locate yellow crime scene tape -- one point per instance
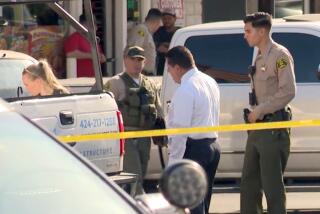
(179, 131)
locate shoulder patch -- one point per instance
(141, 33)
(282, 63)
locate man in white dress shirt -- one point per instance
(196, 103)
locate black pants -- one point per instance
(206, 153)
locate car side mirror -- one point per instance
(184, 184)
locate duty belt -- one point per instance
(280, 115)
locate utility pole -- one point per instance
(266, 6)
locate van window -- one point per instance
(224, 57)
(305, 50)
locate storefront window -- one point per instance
(36, 30)
(288, 7)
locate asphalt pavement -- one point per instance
(303, 197)
(300, 200)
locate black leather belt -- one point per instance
(201, 141)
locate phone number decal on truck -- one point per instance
(97, 122)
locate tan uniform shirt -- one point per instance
(140, 36)
(117, 86)
(274, 80)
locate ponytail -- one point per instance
(44, 71)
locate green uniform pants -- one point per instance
(266, 156)
(136, 157)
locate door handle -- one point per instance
(66, 117)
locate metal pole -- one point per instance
(64, 14)
(94, 46)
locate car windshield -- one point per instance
(39, 176)
(11, 70)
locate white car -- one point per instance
(220, 50)
(41, 175)
(92, 112)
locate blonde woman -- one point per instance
(40, 80)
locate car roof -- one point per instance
(306, 20)
(7, 54)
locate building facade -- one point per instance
(126, 13)
(114, 17)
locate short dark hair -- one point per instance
(181, 56)
(259, 19)
(153, 13)
(82, 18)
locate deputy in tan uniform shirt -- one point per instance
(138, 100)
(267, 151)
(141, 35)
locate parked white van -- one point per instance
(221, 51)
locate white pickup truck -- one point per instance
(220, 50)
(72, 114)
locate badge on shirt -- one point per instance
(141, 33)
(281, 63)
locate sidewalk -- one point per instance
(297, 202)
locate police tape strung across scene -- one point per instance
(221, 128)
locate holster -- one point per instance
(246, 112)
(284, 114)
(160, 140)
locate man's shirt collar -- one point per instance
(188, 74)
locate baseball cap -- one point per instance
(169, 11)
(153, 13)
(135, 52)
